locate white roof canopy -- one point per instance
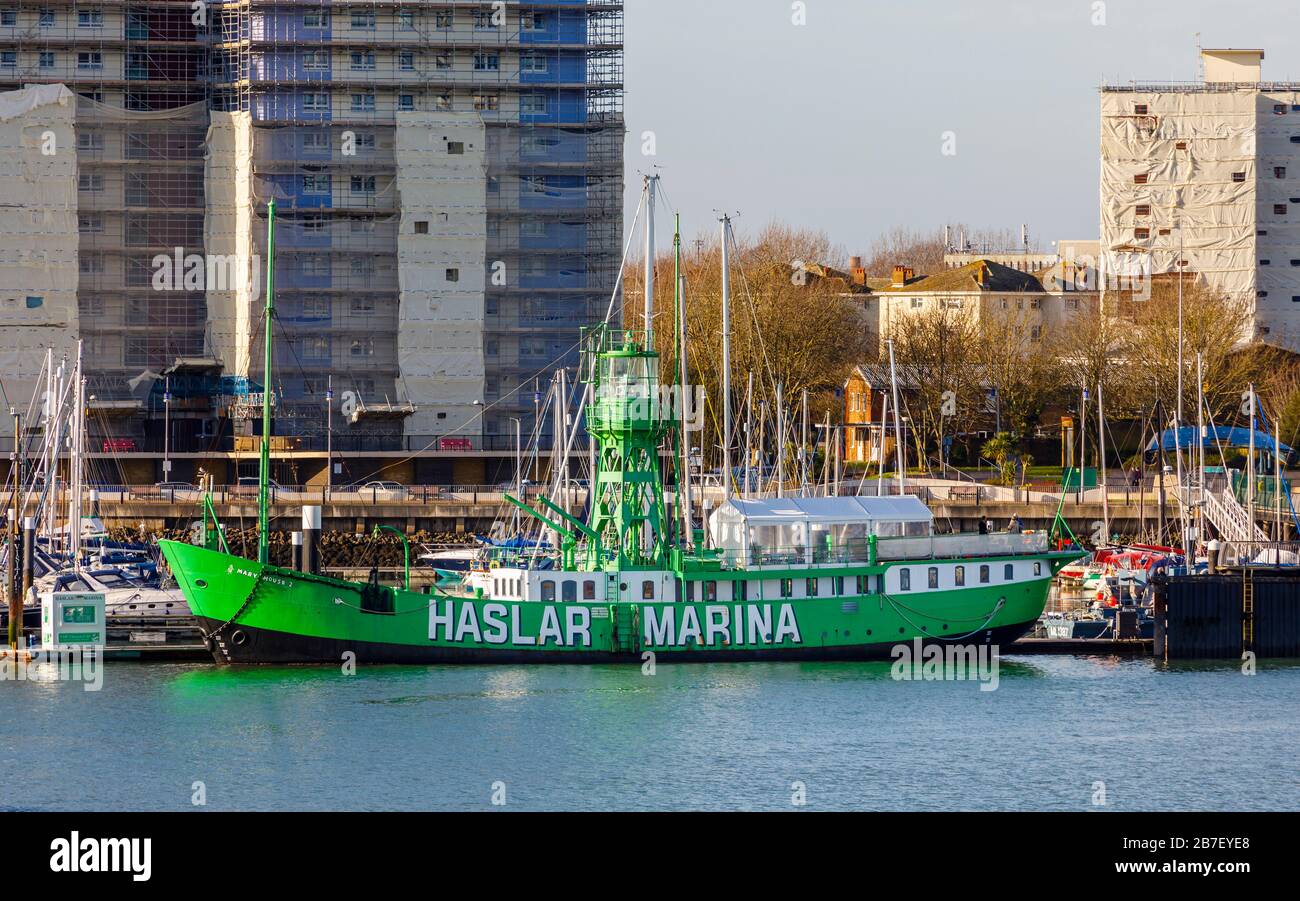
(775, 511)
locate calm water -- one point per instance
(730, 737)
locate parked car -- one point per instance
(248, 485)
(176, 489)
(385, 491)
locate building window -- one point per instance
(444, 20)
(406, 20)
(422, 227)
(405, 102)
(9, 59)
(362, 347)
(90, 181)
(90, 223)
(1280, 109)
(363, 184)
(1181, 145)
(532, 21)
(316, 184)
(1279, 209)
(1036, 333)
(361, 306)
(90, 141)
(363, 60)
(532, 104)
(46, 59)
(486, 102)
(315, 60)
(1140, 179)
(92, 60)
(406, 61)
(363, 19)
(363, 103)
(90, 18)
(1279, 171)
(453, 275)
(1141, 234)
(1239, 177)
(485, 19)
(316, 347)
(8, 17)
(442, 60)
(533, 62)
(316, 20)
(1143, 209)
(487, 62)
(1140, 109)
(315, 103)
(45, 18)
(456, 148)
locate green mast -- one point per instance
(264, 472)
(626, 418)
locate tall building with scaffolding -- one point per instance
(448, 177)
(1201, 177)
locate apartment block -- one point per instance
(1204, 178)
(448, 179)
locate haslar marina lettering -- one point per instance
(570, 626)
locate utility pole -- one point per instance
(167, 428)
(11, 558)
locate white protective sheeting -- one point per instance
(38, 233)
(442, 269)
(228, 240)
(1202, 192)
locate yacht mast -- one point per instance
(651, 184)
(898, 424)
(726, 359)
(264, 469)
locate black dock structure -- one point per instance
(1241, 609)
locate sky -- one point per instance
(839, 124)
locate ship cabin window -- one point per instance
(589, 590)
(1038, 568)
(862, 583)
(787, 588)
(710, 591)
(569, 591)
(690, 592)
(1009, 572)
(959, 576)
(880, 584)
(904, 579)
(647, 590)
(934, 577)
(548, 590)
(839, 585)
(984, 575)
(740, 590)
(810, 589)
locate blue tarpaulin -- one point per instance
(1187, 436)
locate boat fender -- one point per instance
(238, 637)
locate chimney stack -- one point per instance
(902, 275)
(857, 272)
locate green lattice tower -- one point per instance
(628, 420)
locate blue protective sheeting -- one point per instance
(1187, 436)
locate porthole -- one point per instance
(199, 583)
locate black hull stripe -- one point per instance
(249, 646)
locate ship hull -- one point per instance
(260, 647)
(266, 615)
